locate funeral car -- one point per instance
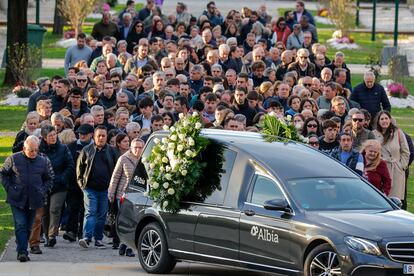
(281, 207)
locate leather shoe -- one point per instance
(122, 249)
(69, 236)
(22, 257)
(129, 253)
(35, 250)
(50, 242)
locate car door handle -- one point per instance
(249, 213)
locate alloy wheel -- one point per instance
(151, 247)
(325, 264)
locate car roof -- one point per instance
(286, 160)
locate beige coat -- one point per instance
(123, 173)
(396, 153)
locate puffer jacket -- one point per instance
(122, 175)
(62, 163)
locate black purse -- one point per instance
(109, 226)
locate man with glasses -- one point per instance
(319, 65)
(180, 67)
(302, 66)
(116, 82)
(81, 82)
(108, 97)
(307, 41)
(26, 177)
(359, 133)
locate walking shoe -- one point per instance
(42, 239)
(69, 236)
(115, 245)
(122, 249)
(129, 253)
(35, 250)
(50, 242)
(22, 257)
(84, 243)
(99, 244)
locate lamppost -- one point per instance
(397, 4)
(37, 12)
(374, 15)
(357, 14)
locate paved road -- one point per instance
(70, 259)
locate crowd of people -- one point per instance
(85, 131)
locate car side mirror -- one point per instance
(279, 204)
(396, 201)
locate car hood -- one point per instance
(374, 225)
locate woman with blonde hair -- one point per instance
(30, 125)
(67, 136)
(394, 151)
(376, 170)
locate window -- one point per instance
(265, 189)
(139, 179)
(217, 197)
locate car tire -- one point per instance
(322, 259)
(153, 250)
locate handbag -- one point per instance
(109, 226)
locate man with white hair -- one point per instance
(224, 60)
(26, 177)
(370, 95)
(125, 27)
(302, 66)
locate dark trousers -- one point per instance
(51, 216)
(76, 210)
(23, 220)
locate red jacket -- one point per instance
(380, 177)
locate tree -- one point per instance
(342, 14)
(16, 34)
(58, 20)
(75, 11)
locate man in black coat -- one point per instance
(241, 106)
(26, 177)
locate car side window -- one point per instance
(217, 197)
(140, 173)
(265, 189)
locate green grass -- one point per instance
(6, 219)
(407, 81)
(281, 12)
(15, 116)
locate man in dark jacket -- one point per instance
(241, 106)
(26, 177)
(347, 155)
(371, 96)
(94, 168)
(63, 167)
(74, 197)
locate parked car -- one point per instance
(282, 207)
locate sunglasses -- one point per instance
(357, 120)
(312, 125)
(82, 80)
(307, 84)
(115, 81)
(313, 143)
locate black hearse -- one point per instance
(281, 207)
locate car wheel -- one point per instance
(153, 250)
(322, 260)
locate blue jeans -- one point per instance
(96, 207)
(23, 221)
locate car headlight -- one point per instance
(362, 245)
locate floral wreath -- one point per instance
(174, 166)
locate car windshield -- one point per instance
(336, 194)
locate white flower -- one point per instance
(165, 160)
(166, 185)
(184, 172)
(185, 123)
(198, 125)
(168, 176)
(171, 191)
(156, 141)
(162, 169)
(167, 168)
(191, 141)
(164, 140)
(144, 159)
(152, 166)
(155, 185)
(289, 118)
(272, 114)
(181, 116)
(165, 127)
(181, 136)
(171, 145)
(172, 129)
(189, 153)
(163, 148)
(195, 114)
(173, 137)
(165, 204)
(180, 148)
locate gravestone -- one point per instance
(401, 65)
(387, 53)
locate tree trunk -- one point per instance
(16, 32)
(58, 21)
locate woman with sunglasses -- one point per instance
(311, 125)
(135, 34)
(394, 151)
(281, 31)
